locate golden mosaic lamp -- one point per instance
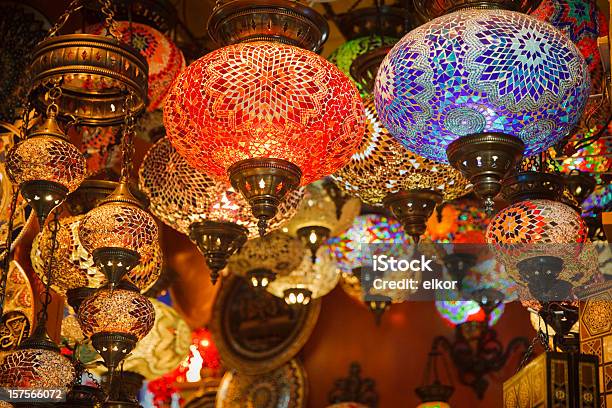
(316, 219)
(164, 348)
(262, 259)
(46, 166)
(74, 267)
(211, 213)
(382, 171)
(115, 319)
(310, 280)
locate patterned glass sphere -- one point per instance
(164, 348)
(320, 278)
(460, 221)
(37, 369)
(599, 199)
(46, 158)
(119, 225)
(116, 311)
(264, 100)
(73, 267)
(366, 229)
(165, 59)
(456, 312)
(180, 195)
(476, 71)
(344, 55)
(381, 166)
(276, 251)
(578, 19)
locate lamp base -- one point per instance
(217, 240)
(485, 159)
(542, 276)
(264, 183)
(43, 196)
(113, 347)
(378, 306)
(413, 208)
(313, 237)
(115, 262)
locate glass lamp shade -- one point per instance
(434, 404)
(264, 100)
(164, 348)
(73, 267)
(37, 368)
(319, 277)
(367, 229)
(578, 19)
(116, 311)
(598, 200)
(459, 221)
(456, 312)
(180, 195)
(344, 55)
(276, 252)
(165, 59)
(470, 72)
(381, 166)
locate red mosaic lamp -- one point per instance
(268, 115)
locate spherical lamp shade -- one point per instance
(476, 96)
(456, 312)
(579, 20)
(269, 115)
(73, 267)
(261, 260)
(459, 221)
(116, 311)
(37, 368)
(181, 195)
(164, 348)
(317, 278)
(344, 55)
(165, 59)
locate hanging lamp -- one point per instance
(496, 100)
(267, 115)
(210, 212)
(382, 171)
(433, 393)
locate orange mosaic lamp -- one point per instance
(210, 212)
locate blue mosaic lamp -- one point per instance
(479, 86)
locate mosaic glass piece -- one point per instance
(116, 311)
(381, 165)
(600, 199)
(180, 195)
(37, 369)
(264, 100)
(100, 147)
(165, 59)
(460, 221)
(477, 71)
(456, 312)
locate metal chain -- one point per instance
(73, 7)
(53, 95)
(528, 353)
(127, 140)
(6, 255)
(111, 25)
(54, 227)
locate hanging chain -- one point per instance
(127, 140)
(111, 25)
(54, 227)
(53, 95)
(73, 7)
(540, 337)
(6, 251)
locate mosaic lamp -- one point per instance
(476, 96)
(456, 312)
(317, 218)
(310, 280)
(46, 166)
(434, 393)
(268, 115)
(209, 211)
(262, 259)
(115, 320)
(382, 171)
(165, 59)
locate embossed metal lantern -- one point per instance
(317, 217)
(262, 259)
(210, 212)
(383, 171)
(73, 267)
(115, 319)
(164, 348)
(477, 95)
(119, 234)
(164, 58)
(311, 279)
(269, 115)
(46, 166)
